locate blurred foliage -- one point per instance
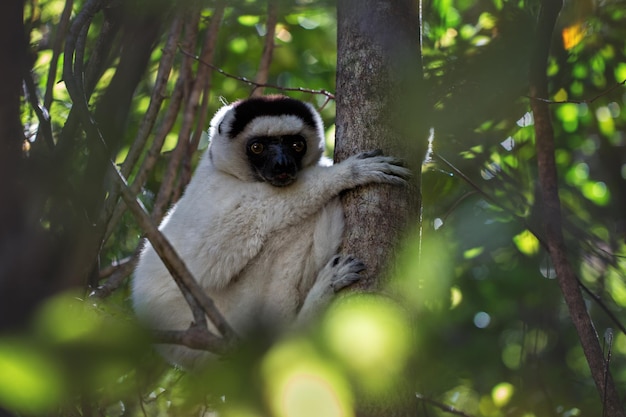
(481, 327)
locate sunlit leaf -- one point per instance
(30, 381)
(238, 45)
(560, 95)
(501, 394)
(573, 35)
(527, 243)
(248, 20)
(473, 252)
(578, 174)
(486, 20)
(596, 192)
(620, 72)
(456, 297)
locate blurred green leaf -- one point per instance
(30, 380)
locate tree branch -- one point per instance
(147, 123)
(56, 52)
(199, 302)
(158, 95)
(254, 84)
(186, 77)
(541, 239)
(199, 99)
(268, 49)
(116, 275)
(443, 407)
(195, 337)
(193, 293)
(584, 101)
(546, 163)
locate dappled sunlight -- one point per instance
(301, 383)
(370, 335)
(469, 315)
(424, 280)
(74, 347)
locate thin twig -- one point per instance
(608, 341)
(147, 123)
(544, 244)
(164, 195)
(268, 49)
(102, 51)
(107, 271)
(199, 302)
(443, 407)
(116, 278)
(61, 33)
(158, 95)
(152, 156)
(57, 46)
(325, 93)
(198, 101)
(42, 113)
(584, 101)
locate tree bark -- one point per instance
(548, 180)
(379, 77)
(380, 106)
(26, 270)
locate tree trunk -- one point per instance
(380, 106)
(21, 286)
(379, 77)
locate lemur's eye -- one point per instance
(256, 147)
(298, 145)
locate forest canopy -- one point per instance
(472, 318)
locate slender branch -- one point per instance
(42, 113)
(57, 46)
(195, 337)
(542, 241)
(116, 274)
(158, 95)
(443, 407)
(147, 123)
(153, 153)
(56, 52)
(193, 293)
(325, 93)
(199, 302)
(268, 49)
(186, 76)
(198, 101)
(107, 271)
(546, 163)
(102, 51)
(585, 101)
(608, 340)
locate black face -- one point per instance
(276, 159)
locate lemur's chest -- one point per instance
(273, 285)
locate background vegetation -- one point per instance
(483, 327)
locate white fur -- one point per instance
(263, 253)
